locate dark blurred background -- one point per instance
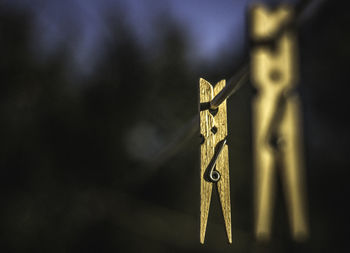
(91, 92)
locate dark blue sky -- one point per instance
(212, 25)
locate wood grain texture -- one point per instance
(207, 122)
(207, 152)
(222, 164)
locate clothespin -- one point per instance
(276, 120)
(213, 156)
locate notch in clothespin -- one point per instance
(213, 156)
(276, 120)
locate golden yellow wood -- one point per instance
(276, 113)
(213, 128)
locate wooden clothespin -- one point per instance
(276, 120)
(214, 155)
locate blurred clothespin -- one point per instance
(276, 120)
(213, 156)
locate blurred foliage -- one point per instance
(74, 173)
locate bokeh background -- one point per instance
(92, 90)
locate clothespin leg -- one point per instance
(207, 152)
(293, 172)
(222, 165)
(264, 166)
